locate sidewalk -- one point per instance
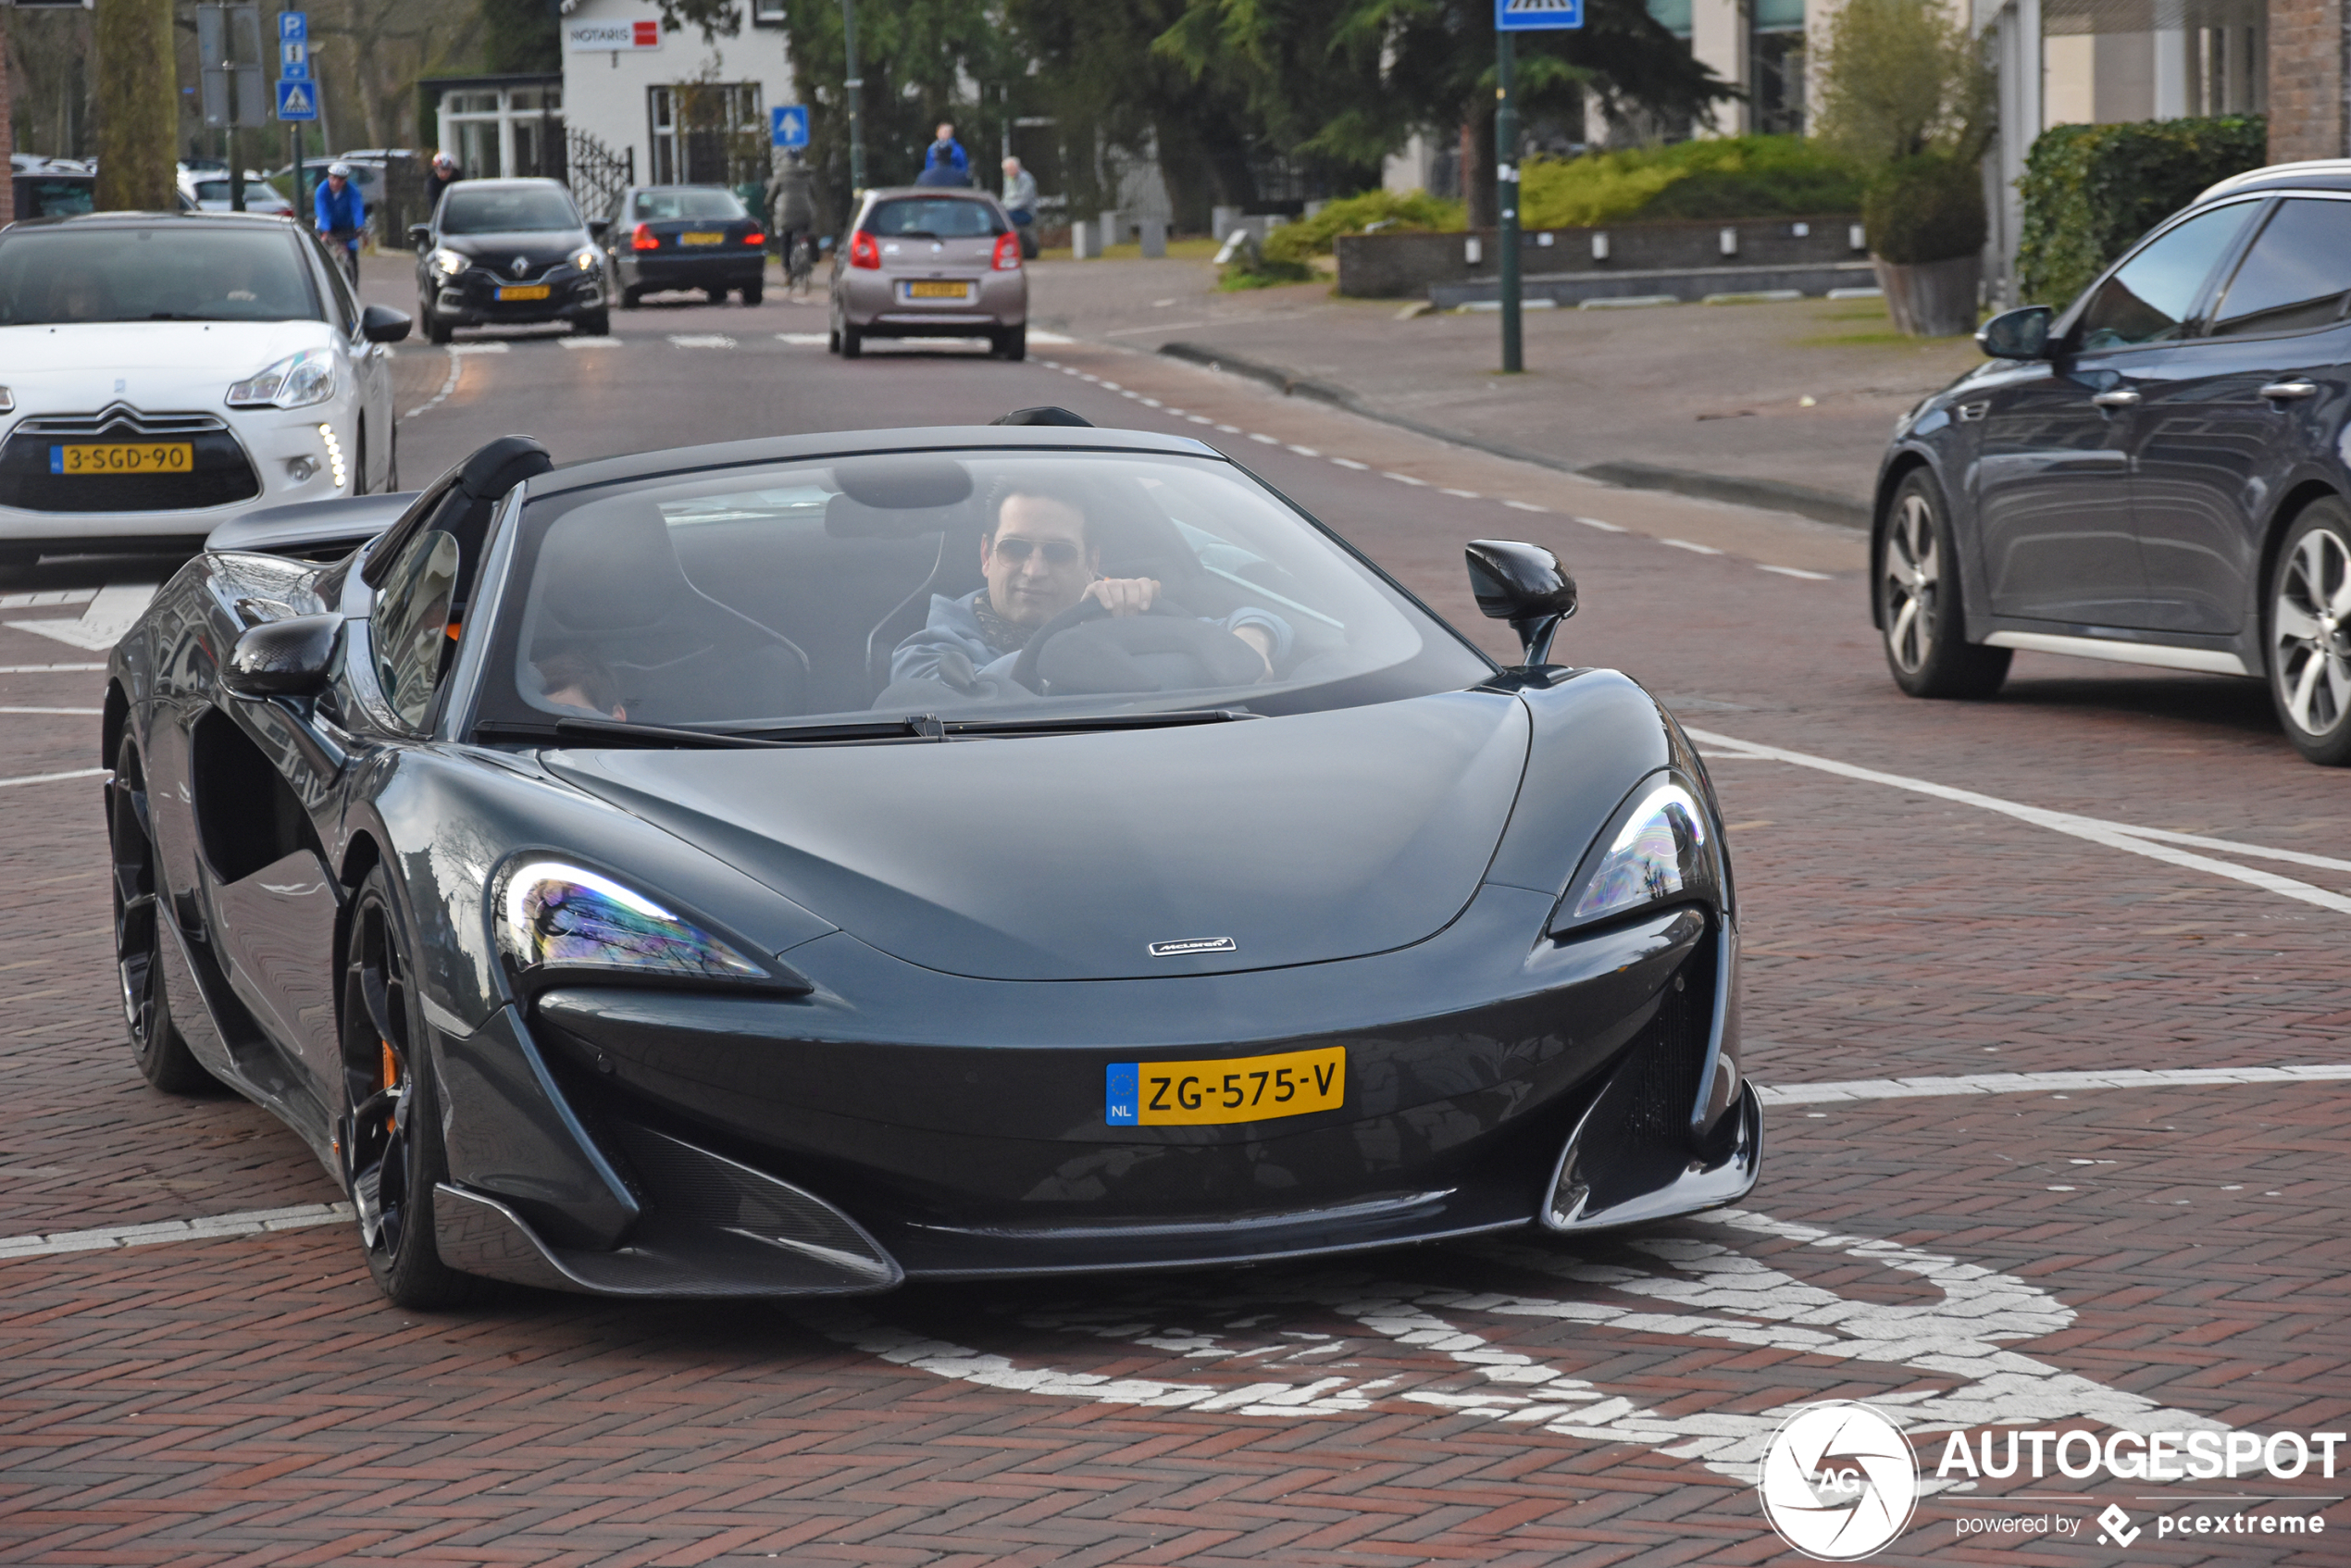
(1706, 400)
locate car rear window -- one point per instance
(169, 272)
(40, 197)
(934, 217)
(687, 202)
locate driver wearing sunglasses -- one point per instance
(1038, 560)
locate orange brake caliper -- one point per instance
(391, 1078)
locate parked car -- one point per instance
(53, 192)
(507, 252)
(930, 263)
(660, 237)
(161, 372)
(2154, 475)
(692, 924)
(203, 191)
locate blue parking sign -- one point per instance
(1529, 16)
(788, 126)
(297, 100)
(293, 27)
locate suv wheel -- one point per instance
(1916, 577)
(2309, 629)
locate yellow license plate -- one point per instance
(522, 291)
(702, 237)
(938, 290)
(124, 457)
(1237, 1089)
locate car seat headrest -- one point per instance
(896, 483)
(1044, 414)
(610, 569)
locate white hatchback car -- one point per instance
(163, 373)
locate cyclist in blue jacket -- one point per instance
(341, 213)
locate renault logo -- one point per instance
(521, 265)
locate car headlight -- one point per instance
(554, 918)
(585, 258)
(7, 401)
(295, 381)
(1659, 848)
(448, 263)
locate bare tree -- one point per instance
(138, 105)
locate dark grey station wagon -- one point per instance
(2156, 474)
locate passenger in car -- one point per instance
(581, 681)
(1039, 557)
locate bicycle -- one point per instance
(800, 265)
(345, 243)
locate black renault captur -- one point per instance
(2154, 474)
(505, 253)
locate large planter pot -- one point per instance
(1932, 299)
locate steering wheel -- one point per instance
(1175, 629)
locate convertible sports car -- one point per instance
(715, 873)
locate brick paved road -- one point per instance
(2166, 1256)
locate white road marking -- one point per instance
(1038, 335)
(53, 777)
(701, 339)
(1199, 418)
(479, 348)
(1260, 435)
(90, 711)
(2114, 834)
(46, 599)
(1794, 572)
(109, 614)
(2035, 1083)
(1465, 494)
(1604, 528)
(251, 1222)
(1694, 549)
(1304, 451)
(449, 382)
(589, 343)
(1525, 506)
(1704, 1290)
(43, 669)
(1350, 463)
(1403, 479)
(805, 340)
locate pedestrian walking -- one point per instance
(946, 163)
(1020, 204)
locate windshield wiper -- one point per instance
(921, 728)
(1169, 719)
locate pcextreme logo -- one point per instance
(1839, 1481)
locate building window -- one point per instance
(767, 13)
(496, 133)
(1775, 66)
(708, 133)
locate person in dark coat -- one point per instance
(444, 174)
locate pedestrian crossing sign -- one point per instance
(297, 100)
(1527, 16)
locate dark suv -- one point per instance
(508, 252)
(2154, 475)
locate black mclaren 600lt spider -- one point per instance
(800, 865)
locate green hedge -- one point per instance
(1415, 213)
(1723, 176)
(2090, 191)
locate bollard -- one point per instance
(1152, 232)
(1084, 242)
(1112, 231)
(1222, 221)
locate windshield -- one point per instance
(257, 196)
(44, 197)
(684, 201)
(476, 211)
(954, 584)
(941, 218)
(171, 272)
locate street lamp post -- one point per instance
(1506, 200)
(856, 98)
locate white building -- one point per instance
(673, 105)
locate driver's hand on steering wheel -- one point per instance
(1124, 595)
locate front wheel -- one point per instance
(436, 328)
(163, 1056)
(1917, 576)
(389, 1134)
(597, 325)
(2310, 633)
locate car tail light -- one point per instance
(863, 250)
(754, 238)
(644, 239)
(1007, 253)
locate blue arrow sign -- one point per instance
(788, 126)
(293, 27)
(1530, 16)
(297, 100)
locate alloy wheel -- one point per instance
(377, 1135)
(2310, 626)
(137, 936)
(1913, 574)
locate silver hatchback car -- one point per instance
(930, 262)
